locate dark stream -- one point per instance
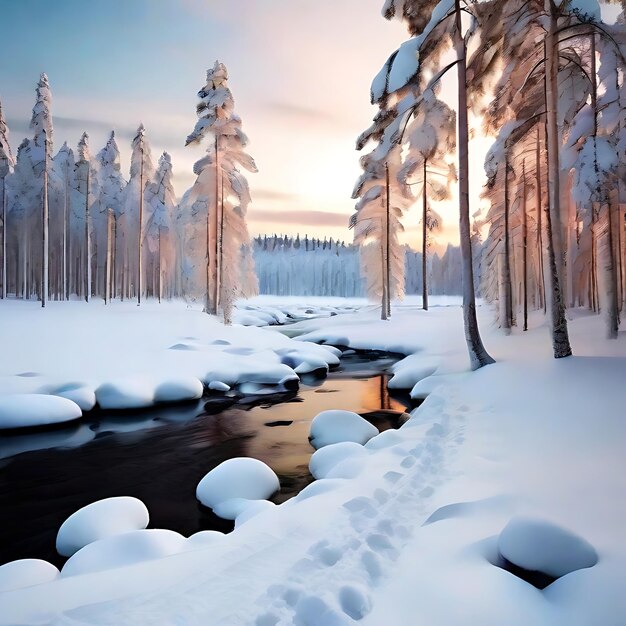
(159, 456)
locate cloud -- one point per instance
(304, 218)
(274, 196)
(301, 113)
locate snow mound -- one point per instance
(408, 372)
(233, 507)
(541, 546)
(101, 519)
(125, 394)
(26, 573)
(32, 409)
(386, 439)
(329, 457)
(241, 477)
(204, 538)
(425, 387)
(81, 394)
(254, 508)
(179, 390)
(217, 385)
(335, 426)
(126, 549)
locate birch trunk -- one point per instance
(424, 242)
(477, 353)
(560, 337)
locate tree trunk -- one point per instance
(508, 295)
(524, 247)
(542, 278)
(387, 247)
(44, 228)
(107, 287)
(216, 229)
(560, 338)
(87, 268)
(477, 353)
(3, 201)
(424, 241)
(139, 251)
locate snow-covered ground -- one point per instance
(407, 532)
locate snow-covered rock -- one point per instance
(101, 519)
(179, 390)
(254, 508)
(540, 546)
(334, 426)
(408, 372)
(329, 457)
(217, 385)
(204, 538)
(33, 409)
(121, 550)
(125, 393)
(231, 508)
(240, 477)
(26, 573)
(81, 394)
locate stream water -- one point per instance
(159, 456)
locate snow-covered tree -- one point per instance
(141, 173)
(162, 249)
(220, 195)
(110, 206)
(431, 139)
(6, 166)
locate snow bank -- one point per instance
(125, 393)
(122, 550)
(335, 426)
(101, 519)
(25, 573)
(179, 390)
(23, 410)
(540, 546)
(326, 459)
(241, 478)
(408, 372)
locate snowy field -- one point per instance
(406, 529)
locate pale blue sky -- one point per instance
(300, 72)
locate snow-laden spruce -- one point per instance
(218, 261)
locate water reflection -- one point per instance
(160, 456)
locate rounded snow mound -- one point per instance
(328, 458)
(335, 426)
(179, 390)
(34, 409)
(540, 546)
(101, 519)
(125, 394)
(80, 393)
(26, 573)
(127, 549)
(241, 477)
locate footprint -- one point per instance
(361, 505)
(381, 496)
(267, 619)
(372, 566)
(378, 542)
(409, 461)
(325, 553)
(354, 602)
(393, 477)
(313, 611)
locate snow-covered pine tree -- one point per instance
(110, 208)
(6, 166)
(141, 173)
(223, 191)
(434, 24)
(62, 184)
(431, 140)
(163, 251)
(40, 151)
(87, 186)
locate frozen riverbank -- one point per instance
(412, 533)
